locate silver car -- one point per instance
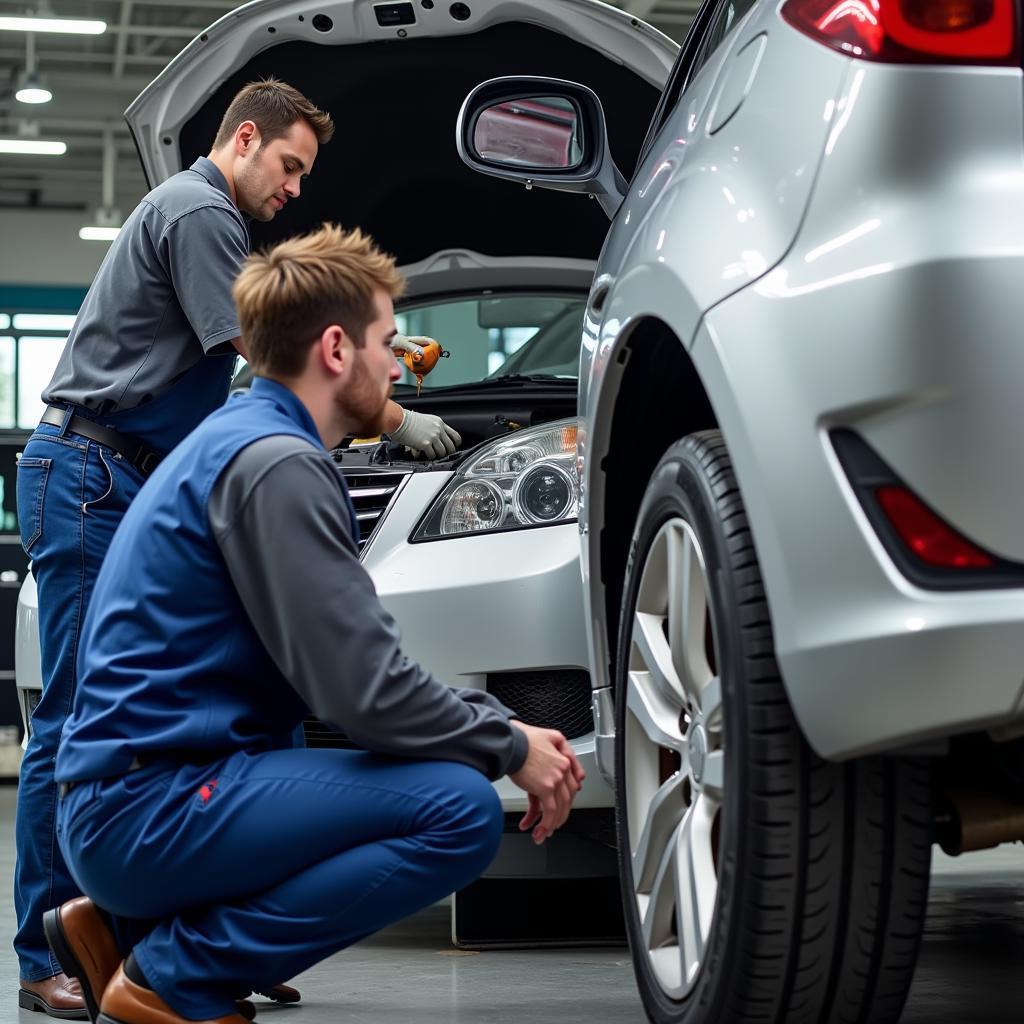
(477, 556)
(800, 512)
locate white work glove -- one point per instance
(427, 434)
(401, 343)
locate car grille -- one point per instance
(372, 493)
(318, 734)
(557, 699)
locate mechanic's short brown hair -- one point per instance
(288, 295)
(273, 106)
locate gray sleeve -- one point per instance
(279, 517)
(205, 249)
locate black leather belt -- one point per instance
(139, 455)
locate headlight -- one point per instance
(524, 479)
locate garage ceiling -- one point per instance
(94, 78)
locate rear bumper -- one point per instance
(871, 661)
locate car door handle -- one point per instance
(599, 293)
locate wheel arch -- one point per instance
(660, 397)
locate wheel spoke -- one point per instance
(657, 922)
(663, 817)
(711, 703)
(658, 719)
(650, 645)
(688, 925)
(687, 612)
(679, 578)
(713, 780)
(703, 878)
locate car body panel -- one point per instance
(926, 335)
(700, 222)
(884, 300)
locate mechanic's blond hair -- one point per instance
(273, 106)
(288, 295)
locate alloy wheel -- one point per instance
(675, 767)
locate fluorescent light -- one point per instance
(43, 322)
(107, 222)
(94, 233)
(78, 26)
(39, 147)
(5, 321)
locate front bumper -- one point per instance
(473, 607)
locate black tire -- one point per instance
(822, 869)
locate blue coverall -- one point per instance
(258, 861)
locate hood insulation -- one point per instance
(392, 167)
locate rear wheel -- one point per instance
(760, 883)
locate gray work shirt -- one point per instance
(161, 298)
(315, 609)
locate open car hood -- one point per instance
(394, 93)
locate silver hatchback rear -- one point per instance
(806, 596)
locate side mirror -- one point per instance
(543, 132)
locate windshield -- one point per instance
(498, 335)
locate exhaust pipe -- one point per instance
(977, 820)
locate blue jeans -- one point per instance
(255, 867)
(72, 494)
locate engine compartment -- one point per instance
(479, 413)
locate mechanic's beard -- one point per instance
(362, 404)
(248, 187)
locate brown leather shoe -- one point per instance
(59, 996)
(281, 994)
(124, 1002)
(84, 947)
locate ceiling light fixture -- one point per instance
(32, 88)
(76, 26)
(107, 222)
(31, 85)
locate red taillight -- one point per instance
(911, 31)
(927, 536)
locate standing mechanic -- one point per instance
(150, 355)
(231, 604)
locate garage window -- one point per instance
(30, 345)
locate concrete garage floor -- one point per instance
(970, 971)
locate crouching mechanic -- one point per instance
(230, 605)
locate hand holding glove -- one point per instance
(427, 434)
